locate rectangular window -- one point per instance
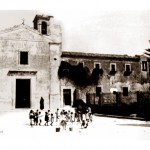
(98, 91)
(23, 58)
(144, 65)
(113, 67)
(125, 91)
(127, 67)
(81, 64)
(97, 65)
(67, 96)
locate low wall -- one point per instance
(111, 99)
(131, 98)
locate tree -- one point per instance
(78, 74)
(147, 52)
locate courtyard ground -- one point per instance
(103, 133)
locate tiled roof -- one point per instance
(45, 17)
(97, 56)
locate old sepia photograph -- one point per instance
(74, 75)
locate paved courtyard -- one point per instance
(103, 133)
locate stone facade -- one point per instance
(41, 52)
(128, 78)
(30, 62)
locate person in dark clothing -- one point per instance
(57, 114)
(83, 124)
(80, 112)
(36, 116)
(86, 124)
(46, 119)
(41, 103)
(49, 115)
(40, 118)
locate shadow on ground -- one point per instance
(138, 125)
(124, 111)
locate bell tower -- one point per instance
(47, 26)
(42, 23)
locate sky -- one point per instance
(95, 26)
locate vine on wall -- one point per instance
(78, 74)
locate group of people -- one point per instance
(63, 117)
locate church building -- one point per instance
(29, 61)
(34, 67)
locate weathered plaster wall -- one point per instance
(107, 82)
(38, 61)
(131, 98)
(108, 98)
(41, 60)
(55, 53)
(5, 90)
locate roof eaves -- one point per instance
(95, 55)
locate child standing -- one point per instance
(49, 115)
(68, 115)
(36, 115)
(75, 116)
(62, 114)
(40, 118)
(46, 119)
(71, 117)
(52, 119)
(57, 114)
(63, 122)
(83, 124)
(31, 117)
(86, 123)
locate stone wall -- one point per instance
(43, 59)
(131, 98)
(108, 82)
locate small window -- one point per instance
(125, 91)
(127, 67)
(81, 64)
(97, 65)
(44, 28)
(113, 67)
(144, 65)
(98, 91)
(24, 58)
